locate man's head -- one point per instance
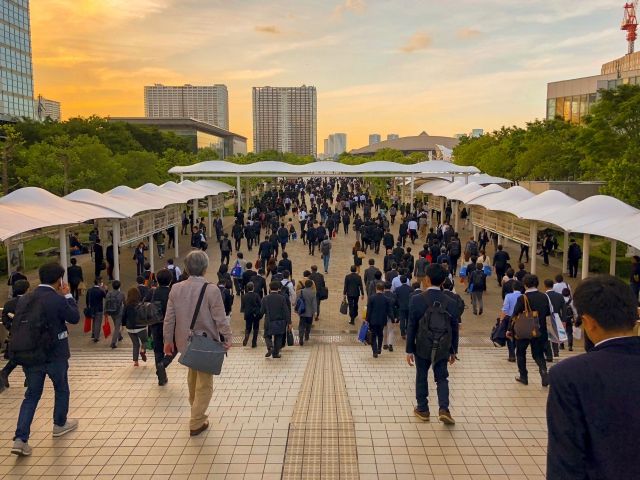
(353, 269)
(116, 285)
(170, 261)
(139, 279)
(372, 262)
(20, 288)
(275, 286)
(308, 283)
(559, 278)
(607, 307)
(521, 266)
(147, 266)
(436, 274)
(164, 277)
(379, 286)
(530, 281)
(286, 274)
(249, 265)
(548, 283)
(499, 247)
(510, 273)
(249, 287)
(73, 261)
(97, 281)
(51, 273)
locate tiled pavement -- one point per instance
(326, 410)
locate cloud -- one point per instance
(354, 6)
(467, 33)
(418, 41)
(252, 74)
(270, 29)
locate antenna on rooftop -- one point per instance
(630, 23)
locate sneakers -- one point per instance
(422, 415)
(20, 448)
(391, 348)
(70, 426)
(445, 417)
(385, 347)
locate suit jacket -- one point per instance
(379, 309)
(211, 319)
(353, 285)
(277, 314)
(370, 274)
(592, 414)
(538, 302)
(403, 294)
(74, 275)
(558, 303)
(318, 279)
(418, 306)
(98, 254)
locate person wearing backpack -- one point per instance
(8, 313)
(40, 343)
(137, 331)
(276, 310)
(432, 341)
(455, 250)
(306, 307)
(225, 249)
(113, 306)
(477, 287)
(160, 297)
(325, 250)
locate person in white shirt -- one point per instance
(397, 282)
(560, 284)
(288, 283)
(412, 225)
(174, 268)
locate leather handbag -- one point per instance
(526, 325)
(202, 353)
(344, 307)
(290, 339)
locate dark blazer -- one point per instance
(251, 306)
(277, 314)
(370, 274)
(98, 254)
(418, 306)
(285, 264)
(59, 311)
(74, 275)
(353, 285)
(379, 309)
(318, 279)
(161, 295)
(558, 303)
(247, 275)
(592, 414)
(403, 294)
(540, 303)
(95, 299)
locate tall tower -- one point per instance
(16, 71)
(285, 119)
(630, 24)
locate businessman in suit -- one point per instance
(559, 307)
(379, 309)
(592, 410)
(353, 289)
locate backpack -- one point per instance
(149, 313)
(112, 304)
(434, 336)
(454, 249)
(285, 291)
(478, 280)
(301, 305)
(460, 305)
(236, 271)
(174, 272)
(473, 248)
(421, 267)
(32, 336)
(325, 248)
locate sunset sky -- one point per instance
(382, 66)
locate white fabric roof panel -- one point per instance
(543, 204)
(180, 192)
(152, 202)
(170, 196)
(434, 186)
(488, 190)
(270, 167)
(484, 179)
(216, 186)
(460, 192)
(197, 188)
(128, 208)
(446, 189)
(504, 201)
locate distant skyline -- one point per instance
(378, 66)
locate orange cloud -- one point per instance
(467, 33)
(417, 41)
(271, 29)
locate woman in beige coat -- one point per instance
(211, 320)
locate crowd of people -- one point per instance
(411, 300)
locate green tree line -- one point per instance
(605, 147)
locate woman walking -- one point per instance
(137, 332)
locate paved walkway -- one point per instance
(326, 410)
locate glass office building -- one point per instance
(16, 73)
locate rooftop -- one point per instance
(176, 123)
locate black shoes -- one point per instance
(544, 376)
(268, 354)
(391, 348)
(523, 381)
(245, 340)
(512, 359)
(385, 347)
(375, 354)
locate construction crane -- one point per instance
(630, 23)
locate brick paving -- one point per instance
(349, 414)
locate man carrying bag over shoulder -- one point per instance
(210, 322)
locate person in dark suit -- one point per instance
(321, 287)
(370, 273)
(160, 295)
(353, 289)
(593, 419)
(418, 307)
(251, 308)
(276, 310)
(539, 302)
(75, 277)
(379, 309)
(557, 302)
(403, 295)
(98, 257)
(8, 313)
(247, 275)
(57, 304)
(110, 262)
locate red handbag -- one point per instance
(106, 327)
(87, 324)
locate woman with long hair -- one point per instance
(358, 255)
(137, 332)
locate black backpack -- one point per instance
(434, 336)
(454, 249)
(32, 336)
(478, 280)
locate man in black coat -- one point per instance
(574, 254)
(259, 283)
(560, 307)
(160, 296)
(265, 250)
(98, 257)
(75, 277)
(403, 295)
(56, 302)
(247, 275)
(321, 287)
(379, 309)
(539, 302)
(276, 310)
(418, 307)
(593, 419)
(500, 261)
(252, 309)
(353, 289)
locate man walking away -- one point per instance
(95, 304)
(75, 278)
(114, 307)
(403, 295)
(322, 292)
(325, 250)
(251, 307)
(500, 262)
(48, 309)
(574, 254)
(225, 249)
(277, 319)
(432, 341)
(477, 287)
(378, 311)
(8, 314)
(353, 289)
(306, 307)
(160, 297)
(592, 408)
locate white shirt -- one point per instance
(176, 268)
(607, 340)
(302, 216)
(396, 283)
(558, 287)
(287, 282)
(412, 225)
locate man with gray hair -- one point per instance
(211, 320)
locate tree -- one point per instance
(11, 142)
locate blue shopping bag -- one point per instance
(362, 334)
(463, 271)
(487, 270)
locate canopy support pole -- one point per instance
(210, 215)
(247, 195)
(475, 231)
(64, 259)
(612, 260)
(586, 250)
(565, 253)
(195, 214)
(404, 189)
(116, 250)
(151, 247)
(466, 179)
(412, 192)
(176, 237)
(533, 246)
(456, 212)
(239, 192)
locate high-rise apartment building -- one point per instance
(335, 144)
(208, 104)
(47, 109)
(374, 138)
(393, 136)
(285, 119)
(16, 73)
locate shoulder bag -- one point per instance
(203, 353)
(526, 325)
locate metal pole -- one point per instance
(116, 250)
(64, 259)
(565, 253)
(209, 214)
(612, 260)
(239, 192)
(176, 237)
(412, 191)
(533, 245)
(151, 261)
(195, 213)
(586, 250)
(456, 212)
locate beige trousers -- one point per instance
(200, 392)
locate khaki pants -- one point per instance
(200, 392)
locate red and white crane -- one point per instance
(630, 23)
